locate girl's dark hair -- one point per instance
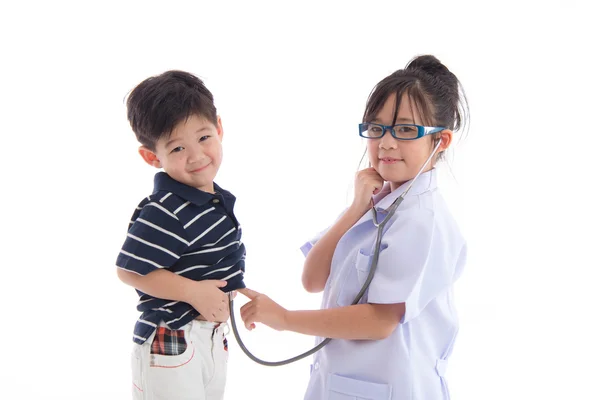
(434, 91)
(159, 103)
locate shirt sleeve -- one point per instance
(413, 267)
(306, 247)
(156, 239)
(236, 282)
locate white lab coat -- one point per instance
(422, 255)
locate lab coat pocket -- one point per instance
(343, 388)
(354, 277)
(363, 264)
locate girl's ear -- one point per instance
(149, 156)
(446, 139)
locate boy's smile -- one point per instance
(192, 154)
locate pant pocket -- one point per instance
(171, 348)
(343, 388)
(174, 377)
(169, 342)
(136, 373)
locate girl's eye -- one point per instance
(203, 138)
(177, 149)
(374, 130)
(406, 131)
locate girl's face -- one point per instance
(398, 161)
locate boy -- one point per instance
(183, 250)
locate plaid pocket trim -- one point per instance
(168, 342)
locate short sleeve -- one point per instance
(415, 264)
(306, 247)
(156, 239)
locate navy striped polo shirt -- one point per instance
(188, 232)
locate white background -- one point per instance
(290, 81)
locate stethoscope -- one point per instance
(380, 225)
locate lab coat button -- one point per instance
(316, 366)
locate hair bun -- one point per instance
(438, 72)
(429, 65)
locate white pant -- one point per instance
(199, 373)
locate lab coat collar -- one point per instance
(427, 181)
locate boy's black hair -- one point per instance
(159, 103)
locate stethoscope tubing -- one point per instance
(373, 267)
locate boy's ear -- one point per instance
(149, 156)
(219, 127)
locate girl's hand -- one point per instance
(367, 183)
(262, 309)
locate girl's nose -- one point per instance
(388, 141)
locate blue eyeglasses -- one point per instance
(400, 131)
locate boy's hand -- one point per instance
(209, 300)
(262, 309)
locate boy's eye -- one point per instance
(177, 149)
(203, 138)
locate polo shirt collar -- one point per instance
(162, 181)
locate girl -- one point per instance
(396, 342)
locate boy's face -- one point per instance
(192, 154)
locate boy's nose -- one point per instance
(195, 155)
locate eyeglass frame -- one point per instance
(421, 130)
